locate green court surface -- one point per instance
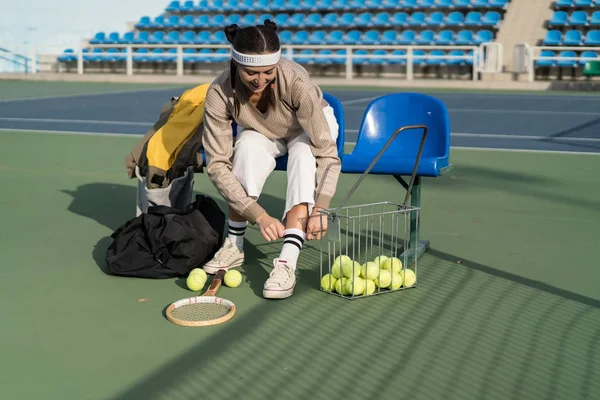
(517, 318)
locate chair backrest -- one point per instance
(388, 113)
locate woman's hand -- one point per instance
(271, 228)
(316, 228)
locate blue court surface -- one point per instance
(545, 122)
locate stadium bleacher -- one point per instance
(575, 24)
(306, 22)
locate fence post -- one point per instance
(179, 61)
(80, 62)
(129, 61)
(409, 63)
(349, 69)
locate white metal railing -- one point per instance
(525, 56)
(486, 57)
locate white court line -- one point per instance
(544, 112)
(137, 135)
(72, 96)
(75, 121)
(512, 137)
(356, 101)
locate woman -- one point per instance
(278, 110)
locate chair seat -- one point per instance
(428, 166)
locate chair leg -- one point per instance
(416, 247)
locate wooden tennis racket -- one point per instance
(204, 310)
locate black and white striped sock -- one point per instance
(236, 233)
(293, 239)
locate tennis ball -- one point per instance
(409, 277)
(384, 280)
(394, 265)
(195, 282)
(328, 282)
(341, 259)
(396, 281)
(351, 269)
(370, 287)
(199, 271)
(378, 260)
(336, 270)
(369, 270)
(232, 278)
(340, 286)
(356, 286)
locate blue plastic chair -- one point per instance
(559, 18)
(553, 38)
(473, 18)
(455, 18)
(445, 37)
(382, 19)
(173, 7)
(329, 20)
(286, 37)
(564, 3)
(370, 37)
(499, 3)
(400, 19)
(572, 38)
(98, 38)
(595, 18)
(578, 18)
(462, 3)
(483, 36)
(592, 38)
(317, 37)
(480, 3)
(426, 37)
(444, 4)
(544, 60)
(383, 117)
(567, 63)
(417, 19)
(407, 37)
(435, 19)
(464, 38)
(583, 3)
(127, 38)
(346, 19)
(587, 55)
(203, 21)
(335, 37)
(491, 18)
(364, 19)
(144, 23)
(389, 37)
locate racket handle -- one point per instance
(216, 283)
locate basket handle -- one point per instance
(414, 173)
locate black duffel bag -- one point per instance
(167, 242)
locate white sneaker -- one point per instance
(281, 282)
(227, 257)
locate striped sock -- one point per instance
(236, 233)
(293, 239)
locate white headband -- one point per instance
(255, 60)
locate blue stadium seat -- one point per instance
(233, 19)
(426, 3)
(224, 55)
(417, 19)
(295, 20)
(173, 7)
(346, 19)
(592, 38)
(157, 55)
(586, 55)
(379, 124)
(158, 22)
(311, 20)
(98, 38)
(188, 21)
(329, 20)
(281, 19)
(578, 18)
(400, 19)
(263, 17)
(364, 19)
(595, 17)
(247, 5)
(492, 18)
(567, 63)
(357, 4)
(157, 37)
(480, 3)
(338, 59)
(483, 36)
(188, 6)
(143, 37)
(445, 37)
(218, 37)
(335, 37)
(370, 37)
(436, 60)
(308, 4)
(352, 37)
(277, 5)
(455, 18)
(171, 22)
(381, 59)
(127, 38)
(435, 18)
(398, 53)
(445, 4)
(189, 56)
(559, 18)
(553, 38)
(426, 37)
(203, 37)
(291, 5)
(172, 37)
(382, 19)
(473, 18)
(389, 37)
(204, 56)
(317, 37)
(140, 55)
(323, 56)
(217, 21)
(462, 3)
(249, 19)
(112, 38)
(499, 3)
(67, 56)
(464, 38)
(377, 4)
(358, 57)
(572, 38)
(407, 3)
(144, 23)
(203, 21)
(286, 37)
(407, 37)
(201, 5)
(300, 37)
(582, 3)
(304, 56)
(456, 61)
(564, 3)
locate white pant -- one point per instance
(254, 159)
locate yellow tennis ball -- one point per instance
(396, 281)
(384, 279)
(394, 265)
(232, 278)
(340, 286)
(328, 282)
(199, 271)
(369, 270)
(336, 270)
(341, 259)
(351, 269)
(409, 277)
(356, 286)
(380, 259)
(195, 282)
(370, 287)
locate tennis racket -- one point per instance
(204, 310)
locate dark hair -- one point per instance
(255, 39)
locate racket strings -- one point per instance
(201, 311)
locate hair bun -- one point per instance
(270, 24)
(231, 31)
